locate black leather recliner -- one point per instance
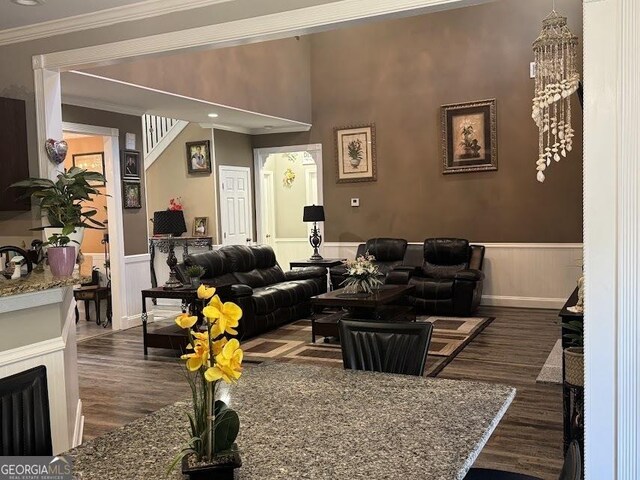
(449, 281)
(389, 253)
(252, 278)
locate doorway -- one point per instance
(96, 149)
(236, 218)
(287, 179)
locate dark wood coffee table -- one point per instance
(376, 306)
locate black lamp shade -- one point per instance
(313, 213)
(169, 222)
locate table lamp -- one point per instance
(314, 213)
(170, 223)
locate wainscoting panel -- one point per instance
(137, 278)
(530, 275)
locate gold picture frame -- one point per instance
(356, 153)
(469, 137)
(200, 226)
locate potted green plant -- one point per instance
(62, 202)
(574, 354)
(61, 255)
(194, 272)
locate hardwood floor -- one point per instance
(118, 385)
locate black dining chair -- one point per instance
(25, 428)
(571, 469)
(385, 347)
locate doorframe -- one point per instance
(111, 137)
(260, 156)
(609, 228)
(232, 168)
(272, 206)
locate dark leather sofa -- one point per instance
(448, 280)
(389, 253)
(252, 278)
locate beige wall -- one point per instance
(134, 220)
(91, 242)
(398, 73)
(168, 178)
(270, 77)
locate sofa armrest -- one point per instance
(306, 273)
(469, 275)
(399, 276)
(240, 290)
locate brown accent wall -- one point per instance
(398, 73)
(134, 221)
(269, 77)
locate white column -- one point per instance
(48, 114)
(612, 227)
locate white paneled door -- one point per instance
(235, 205)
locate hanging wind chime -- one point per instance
(557, 79)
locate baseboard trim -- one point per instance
(78, 430)
(523, 302)
(132, 321)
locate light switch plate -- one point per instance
(355, 202)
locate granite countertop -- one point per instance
(37, 281)
(310, 422)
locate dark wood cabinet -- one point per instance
(14, 159)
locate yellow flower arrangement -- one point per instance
(211, 357)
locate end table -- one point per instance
(325, 262)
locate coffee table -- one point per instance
(376, 306)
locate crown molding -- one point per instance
(101, 18)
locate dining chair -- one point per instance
(24, 412)
(385, 347)
(571, 469)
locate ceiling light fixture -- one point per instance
(29, 3)
(213, 115)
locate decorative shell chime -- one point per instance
(557, 79)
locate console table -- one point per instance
(162, 245)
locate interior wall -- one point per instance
(268, 77)
(168, 178)
(134, 220)
(397, 74)
(91, 242)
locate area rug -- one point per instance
(292, 343)
(552, 369)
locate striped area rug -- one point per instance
(292, 343)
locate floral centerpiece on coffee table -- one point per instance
(362, 275)
(213, 356)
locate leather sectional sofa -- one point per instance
(446, 272)
(252, 278)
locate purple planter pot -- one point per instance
(61, 260)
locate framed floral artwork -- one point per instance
(131, 194)
(469, 137)
(356, 154)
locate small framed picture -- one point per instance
(356, 154)
(91, 162)
(130, 164)
(469, 137)
(200, 226)
(131, 194)
(199, 157)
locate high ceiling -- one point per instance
(12, 15)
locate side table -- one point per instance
(172, 337)
(325, 262)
